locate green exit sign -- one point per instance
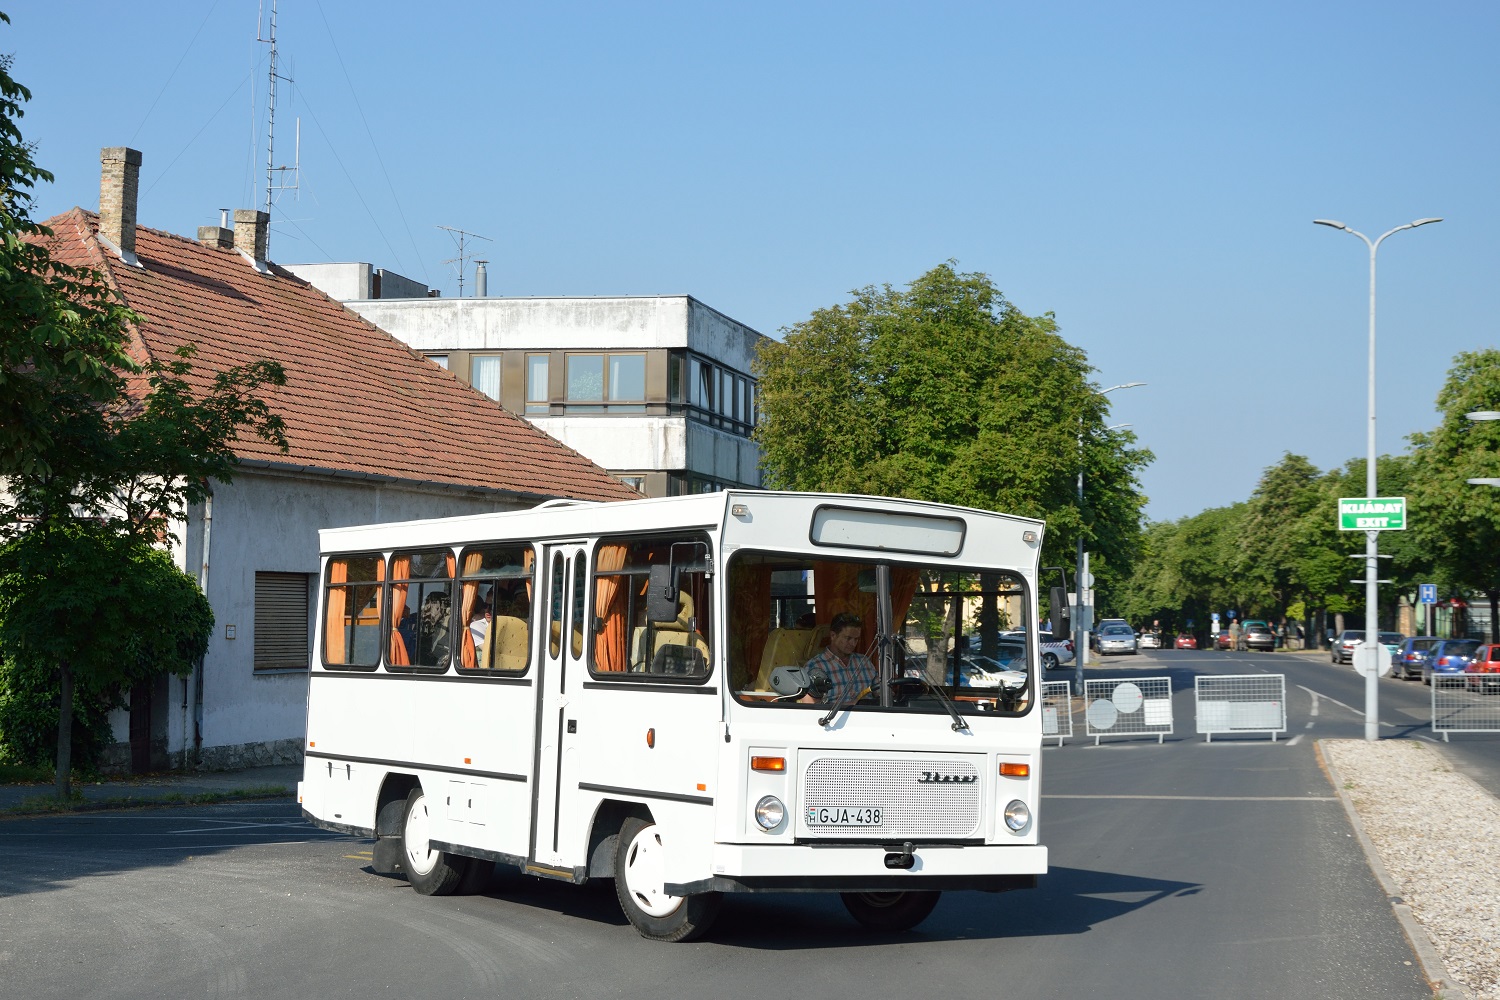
(1372, 513)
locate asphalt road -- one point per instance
(1222, 869)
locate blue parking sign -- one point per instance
(1428, 592)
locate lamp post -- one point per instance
(1369, 651)
(1484, 415)
(1080, 633)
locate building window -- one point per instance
(441, 360)
(627, 383)
(538, 394)
(281, 619)
(484, 374)
(637, 483)
(585, 381)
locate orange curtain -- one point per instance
(529, 560)
(904, 581)
(400, 570)
(750, 611)
(609, 603)
(836, 587)
(334, 647)
(469, 594)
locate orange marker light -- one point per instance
(468, 761)
(775, 764)
(1010, 770)
(311, 744)
(651, 738)
(702, 787)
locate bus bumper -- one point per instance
(865, 868)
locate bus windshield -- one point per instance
(837, 632)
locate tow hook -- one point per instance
(903, 859)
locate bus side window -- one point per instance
(351, 611)
(626, 640)
(554, 607)
(421, 610)
(494, 599)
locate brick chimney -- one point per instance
(119, 183)
(250, 227)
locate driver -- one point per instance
(851, 672)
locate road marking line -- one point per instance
(1294, 740)
(1206, 798)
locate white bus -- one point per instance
(636, 691)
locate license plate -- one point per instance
(842, 816)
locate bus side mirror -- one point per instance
(1060, 616)
(661, 595)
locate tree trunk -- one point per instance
(1494, 596)
(65, 733)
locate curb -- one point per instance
(1431, 962)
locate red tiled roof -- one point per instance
(356, 399)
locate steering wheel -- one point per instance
(903, 689)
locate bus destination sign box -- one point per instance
(1372, 513)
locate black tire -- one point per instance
(649, 909)
(430, 872)
(1050, 661)
(478, 875)
(890, 912)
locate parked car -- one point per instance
(1343, 646)
(1486, 661)
(1055, 649)
(1185, 641)
(1258, 635)
(1149, 640)
(1449, 656)
(1410, 655)
(1117, 639)
(1222, 640)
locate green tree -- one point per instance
(945, 391)
(101, 454)
(1457, 522)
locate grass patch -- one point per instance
(44, 805)
(24, 774)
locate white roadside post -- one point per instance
(1372, 555)
(1483, 415)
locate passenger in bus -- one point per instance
(479, 622)
(434, 644)
(851, 671)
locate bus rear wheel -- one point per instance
(430, 871)
(890, 911)
(640, 865)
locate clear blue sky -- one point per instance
(1148, 172)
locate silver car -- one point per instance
(1117, 639)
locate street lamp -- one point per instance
(1080, 634)
(1370, 648)
(1484, 415)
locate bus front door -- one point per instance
(563, 673)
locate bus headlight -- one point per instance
(770, 812)
(1017, 815)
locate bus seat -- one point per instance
(678, 632)
(817, 642)
(507, 644)
(785, 647)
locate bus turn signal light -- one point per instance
(1011, 770)
(768, 764)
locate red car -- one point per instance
(1221, 640)
(1185, 641)
(1486, 661)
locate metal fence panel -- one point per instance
(1240, 703)
(1057, 710)
(1138, 706)
(1465, 703)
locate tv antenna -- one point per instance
(276, 177)
(461, 238)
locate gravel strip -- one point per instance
(1438, 835)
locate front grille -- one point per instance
(934, 796)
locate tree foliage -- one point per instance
(945, 391)
(102, 453)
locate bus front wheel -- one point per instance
(890, 911)
(640, 866)
(430, 871)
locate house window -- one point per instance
(281, 619)
(441, 360)
(484, 374)
(538, 394)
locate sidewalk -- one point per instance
(272, 781)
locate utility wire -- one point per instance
(196, 134)
(373, 144)
(173, 74)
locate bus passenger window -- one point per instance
(351, 611)
(421, 610)
(494, 597)
(625, 640)
(554, 607)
